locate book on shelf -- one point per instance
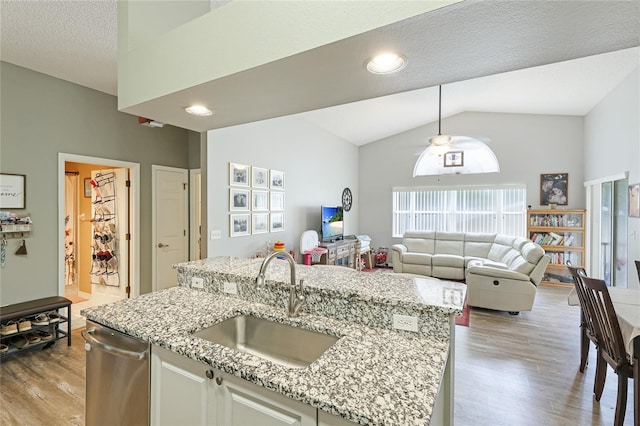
(569, 240)
(556, 239)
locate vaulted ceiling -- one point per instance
(76, 41)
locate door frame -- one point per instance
(154, 236)
(195, 202)
(134, 215)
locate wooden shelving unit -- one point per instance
(561, 233)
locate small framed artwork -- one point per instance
(12, 191)
(259, 177)
(239, 199)
(87, 188)
(259, 200)
(277, 200)
(634, 200)
(454, 159)
(260, 223)
(238, 174)
(277, 222)
(239, 225)
(277, 179)
(553, 188)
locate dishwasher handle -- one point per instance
(124, 353)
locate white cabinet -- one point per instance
(244, 403)
(184, 391)
(181, 392)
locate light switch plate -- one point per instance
(197, 282)
(405, 322)
(216, 234)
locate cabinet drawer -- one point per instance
(331, 253)
(343, 251)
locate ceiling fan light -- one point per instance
(386, 63)
(199, 110)
(440, 140)
(439, 149)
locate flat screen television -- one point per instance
(332, 223)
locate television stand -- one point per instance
(339, 253)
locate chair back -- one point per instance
(606, 323)
(578, 274)
(638, 268)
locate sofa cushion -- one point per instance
(505, 240)
(449, 243)
(520, 242)
(498, 252)
(419, 245)
(429, 235)
(478, 245)
(532, 252)
(519, 264)
(417, 258)
(486, 262)
(509, 257)
(451, 260)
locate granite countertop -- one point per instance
(415, 292)
(369, 376)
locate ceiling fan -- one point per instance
(447, 154)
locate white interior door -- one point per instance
(170, 222)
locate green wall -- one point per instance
(42, 116)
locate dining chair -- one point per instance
(587, 332)
(611, 345)
(638, 268)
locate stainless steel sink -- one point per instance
(280, 343)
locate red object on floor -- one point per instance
(464, 317)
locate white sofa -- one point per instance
(501, 271)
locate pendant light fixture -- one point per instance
(447, 154)
(440, 139)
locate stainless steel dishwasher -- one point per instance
(118, 378)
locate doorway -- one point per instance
(607, 217)
(98, 250)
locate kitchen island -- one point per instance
(374, 374)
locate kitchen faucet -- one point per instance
(295, 300)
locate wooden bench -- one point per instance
(37, 306)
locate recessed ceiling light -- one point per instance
(199, 110)
(386, 63)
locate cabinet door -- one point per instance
(245, 404)
(181, 393)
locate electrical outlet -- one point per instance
(197, 282)
(230, 288)
(216, 234)
(405, 322)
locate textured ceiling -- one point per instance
(76, 41)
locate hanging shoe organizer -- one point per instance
(104, 262)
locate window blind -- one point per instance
(461, 209)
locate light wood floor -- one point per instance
(523, 370)
(510, 370)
